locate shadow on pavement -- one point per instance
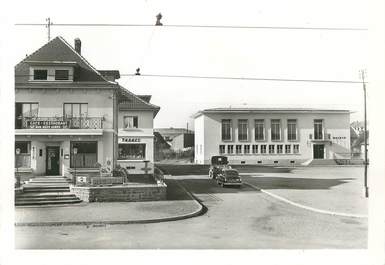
(175, 192)
(295, 183)
(199, 186)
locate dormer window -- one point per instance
(61, 75)
(40, 74)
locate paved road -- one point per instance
(236, 218)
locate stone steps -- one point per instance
(323, 162)
(46, 191)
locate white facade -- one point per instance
(329, 140)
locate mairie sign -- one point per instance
(47, 124)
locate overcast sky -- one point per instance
(296, 54)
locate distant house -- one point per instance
(177, 138)
(357, 139)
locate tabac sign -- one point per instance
(129, 140)
(47, 124)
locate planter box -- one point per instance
(121, 193)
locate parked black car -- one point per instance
(229, 177)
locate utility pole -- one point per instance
(365, 136)
(48, 26)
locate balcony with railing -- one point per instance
(320, 136)
(59, 123)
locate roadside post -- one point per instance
(75, 151)
(17, 167)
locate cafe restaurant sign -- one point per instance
(47, 124)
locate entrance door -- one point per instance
(52, 160)
(318, 151)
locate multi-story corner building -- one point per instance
(68, 115)
(271, 136)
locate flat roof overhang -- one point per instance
(59, 132)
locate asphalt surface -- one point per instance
(236, 218)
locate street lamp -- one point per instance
(365, 137)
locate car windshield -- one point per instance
(219, 160)
(231, 173)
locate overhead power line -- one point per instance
(248, 78)
(193, 26)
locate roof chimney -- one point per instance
(78, 45)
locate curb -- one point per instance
(304, 206)
(201, 210)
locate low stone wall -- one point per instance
(129, 193)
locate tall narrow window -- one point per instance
(263, 149)
(275, 130)
(296, 148)
(246, 149)
(243, 128)
(130, 122)
(291, 130)
(259, 130)
(255, 149)
(279, 149)
(230, 149)
(271, 149)
(221, 149)
(318, 131)
(287, 148)
(238, 149)
(226, 130)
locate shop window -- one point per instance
(246, 149)
(255, 148)
(23, 159)
(222, 149)
(226, 130)
(296, 148)
(238, 149)
(61, 75)
(271, 149)
(263, 149)
(132, 151)
(132, 122)
(288, 149)
(259, 130)
(86, 156)
(40, 74)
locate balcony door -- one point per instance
(52, 161)
(318, 151)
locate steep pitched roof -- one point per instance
(59, 51)
(129, 101)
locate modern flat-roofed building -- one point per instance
(70, 116)
(272, 135)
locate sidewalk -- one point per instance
(179, 205)
(334, 189)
